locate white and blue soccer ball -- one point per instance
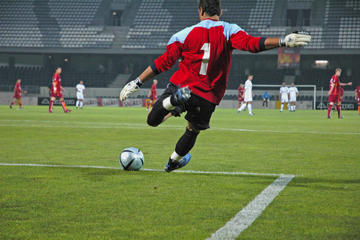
(131, 159)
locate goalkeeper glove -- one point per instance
(295, 39)
(130, 87)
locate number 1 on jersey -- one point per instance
(205, 59)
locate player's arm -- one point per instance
(242, 41)
(356, 95)
(54, 86)
(161, 64)
(331, 89)
(346, 84)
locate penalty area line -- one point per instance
(234, 227)
(246, 216)
(145, 170)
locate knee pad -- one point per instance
(156, 115)
(191, 133)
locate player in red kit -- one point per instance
(17, 94)
(205, 50)
(56, 91)
(152, 95)
(341, 96)
(357, 97)
(334, 92)
(241, 94)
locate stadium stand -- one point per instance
(157, 20)
(148, 24)
(51, 23)
(67, 23)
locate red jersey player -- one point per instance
(205, 51)
(241, 93)
(357, 97)
(17, 94)
(334, 92)
(341, 96)
(152, 95)
(56, 91)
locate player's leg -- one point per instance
(64, 105)
(81, 103)
(152, 103)
(147, 103)
(359, 108)
(243, 106)
(170, 101)
(19, 102)
(331, 104)
(249, 106)
(338, 105)
(51, 104)
(12, 103)
(198, 116)
(77, 103)
(282, 105)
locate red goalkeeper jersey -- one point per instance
(205, 51)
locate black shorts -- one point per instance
(199, 110)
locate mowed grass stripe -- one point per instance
(107, 125)
(70, 203)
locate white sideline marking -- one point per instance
(233, 228)
(146, 170)
(252, 211)
(112, 125)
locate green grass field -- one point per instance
(321, 202)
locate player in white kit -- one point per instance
(284, 96)
(248, 96)
(293, 92)
(80, 93)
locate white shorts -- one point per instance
(248, 98)
(293, 99)
(284, 99)
(79, 96)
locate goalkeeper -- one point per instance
(199, 85)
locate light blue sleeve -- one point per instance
(230, 29)
(180, 36)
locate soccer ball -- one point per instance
(131, 159)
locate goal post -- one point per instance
(273, 90)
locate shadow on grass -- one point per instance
(326, 183)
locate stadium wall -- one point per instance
(7, 97)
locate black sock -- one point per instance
(186, 142)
